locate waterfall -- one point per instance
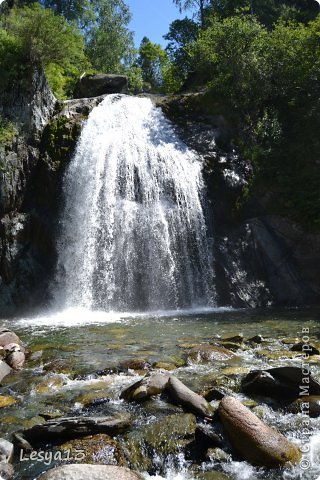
(132, 234)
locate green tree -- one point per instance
(152, 59)
(182, 33)
(110, 46)
(46, 39)
(199, 5)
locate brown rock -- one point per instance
(252, 439)
(92, 472)
(189, 400)
(205, 353)
(146, 388)
(8, 337)
(16, 360)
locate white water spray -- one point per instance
(133, 234)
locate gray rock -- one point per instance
(92, 472)
(146, 388)
(6, 471)
(252, 439)
(4, 370)
(16, 360)
(189, 400)
(306, 348)
(6, 451)
(74, 427)
(205, 353)
(101, 84)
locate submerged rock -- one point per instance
(73, 427)
(92, 472)
(97, 449)
(189, 400)
(146, 388)
(205, 353)
(252, 439)
(6, 401)
(168, 436)
(282, 383)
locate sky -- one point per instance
(151, 18)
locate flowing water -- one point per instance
(69, 348)
(133, 233)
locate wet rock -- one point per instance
(145, 388)
(56, 366)
(206, 437)
(6, 451)
(252, 439)
(98, 449)
(92, 472)
(92, 399)
(21, 443)
(235, 339)
(216, 393)
(6, 401)
(136, 364)
(101, 84)
(8, 337)
(182, 395)
(4, 370)
(16, 360)
(168, 436)
(282, 383)
(164, 366)
(308, 349)
(6, 471)
(231, 346)
(48, 384)
(213, 475)
(217, 455)
(205, 353)
(256, 339)
(74, 427)
(309, 405)
(235, 371)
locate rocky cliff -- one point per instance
(259, 259)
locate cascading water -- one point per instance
(133, 233)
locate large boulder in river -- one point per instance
(252, 439)
(180, 394)
(282, 383)
(101, 84)
(92, 472)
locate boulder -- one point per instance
(74, 427)
(101, 84)
(252, 439)
(282, 383)
(305, 348)
(16, 360)
(180, 394)
(6, 451)
(6, 401)
(146, 388)
(309, 405)
(8, 337)
(4, 370)
(205, 353)
(92, 472)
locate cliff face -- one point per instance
(259, 259)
